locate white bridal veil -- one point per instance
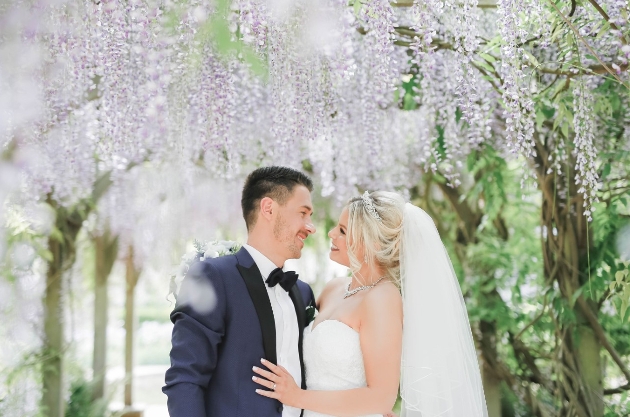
(440, 373)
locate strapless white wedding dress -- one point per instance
(333, 359)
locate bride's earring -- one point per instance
(365, 259)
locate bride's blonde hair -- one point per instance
(378, 235)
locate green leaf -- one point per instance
(575, 296)
(487, 57)
(625, 299)
(46, 255)
(101, 185)
(357, 8)
(485, 65)
(605, 29)
(56, 234)
(549, 112)
(562, 111)
(540, 118)
(619, 275)
(531, 58)
(409, 103)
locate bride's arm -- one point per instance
(381, 344)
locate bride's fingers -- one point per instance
(276, 369)
(265, 383)
(266, 374)
(270, 394)
(268, 364)
(284, 371)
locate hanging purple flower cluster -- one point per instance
(119, 84)
(518, 83)
(585, 152)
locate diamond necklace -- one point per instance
(357, 289)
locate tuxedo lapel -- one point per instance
(300, 312)
(298, 303)
(258, 293)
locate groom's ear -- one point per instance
(267, 208)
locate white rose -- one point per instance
(213, 251)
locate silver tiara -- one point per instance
(369, 205)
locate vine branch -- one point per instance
(601, 335)
(607, 18)
(577, 34)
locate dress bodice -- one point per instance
(332, 359)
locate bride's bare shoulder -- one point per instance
(331, 287)
(385, 296)
(335, 284)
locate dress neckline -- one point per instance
(338, 321)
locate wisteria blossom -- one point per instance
(166, 105)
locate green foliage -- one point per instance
(409, 87)
(489, 189)
(619, 406)
(609, 274)
(504, 280)
(15, 382)
(81, 404)
(621, 288)
(215, 30)
(25, 237)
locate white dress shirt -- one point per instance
(287, 330)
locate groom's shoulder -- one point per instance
(306, 291)
(225, 261)
(214, 267)
(303, 285)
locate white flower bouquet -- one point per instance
(201, 251)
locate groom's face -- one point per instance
(293, 223)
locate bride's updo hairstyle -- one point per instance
(376, 232)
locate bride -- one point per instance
(401, 318)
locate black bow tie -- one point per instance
(286, 279)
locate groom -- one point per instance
(260, 310)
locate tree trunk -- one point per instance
(61, 244)
(53, 378)
(589, 359)
(565, 251)
(106, 248)
(491, 382)
(132, 274)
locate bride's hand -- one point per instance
(286, 390)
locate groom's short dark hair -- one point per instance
(274, 182)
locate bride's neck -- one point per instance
(366, 276)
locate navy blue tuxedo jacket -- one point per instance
(213, 353)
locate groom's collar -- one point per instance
(265, 266)
(244, 258)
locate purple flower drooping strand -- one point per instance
(585, 152)
(517, 81)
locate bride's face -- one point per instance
(339, 247)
